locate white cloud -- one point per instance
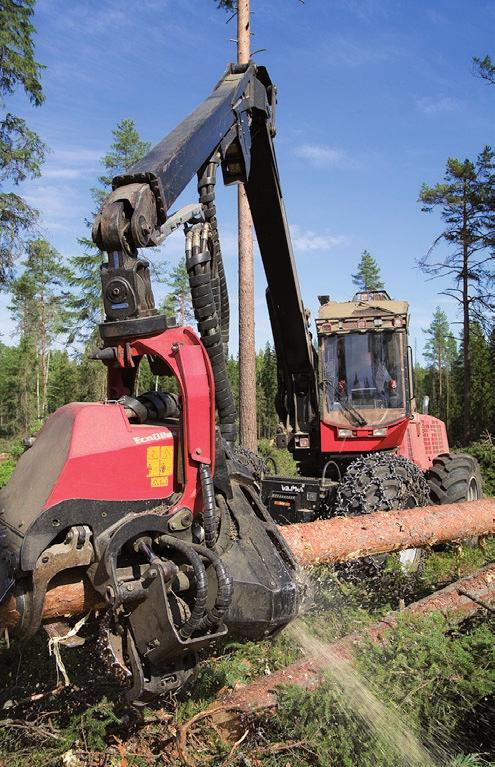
(57, 204)
(72, 162)
(323, 156)
(431, 105)
(68, 173)
(305, 240)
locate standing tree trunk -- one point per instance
(466, 430)
(247, 352)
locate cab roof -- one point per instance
(364, 304)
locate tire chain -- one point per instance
(251, 461)
(353, 497)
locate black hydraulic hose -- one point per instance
(199, 267)
(225, 590)
(209, 516)
(206, 189)
(195, 620)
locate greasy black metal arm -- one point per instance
(234, 124)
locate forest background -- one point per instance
(54, 300)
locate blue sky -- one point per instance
(374, 96)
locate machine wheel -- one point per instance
(454, 478)
(382, 482)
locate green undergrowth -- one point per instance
(438, 682)
(440, 678)
(279, 461)
(484, 452)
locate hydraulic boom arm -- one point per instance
(232, 127)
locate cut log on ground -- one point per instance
(326, 541)
(309, 673)
(342, 539)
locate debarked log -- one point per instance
(343, 539)
(339, 539)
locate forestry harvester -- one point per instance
(354, 430)
(145, 496)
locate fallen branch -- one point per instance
(309, 673)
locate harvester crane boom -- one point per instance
(234, 127)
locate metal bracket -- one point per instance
(76, 551)
(189, 214)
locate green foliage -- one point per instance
(279, 461)
(484, 452)
(465, 201)
(178, 302)
(21, 149)
(485, 68)
(6, 471)
(455, 562)
(36, 298)
(440, 352)
(126, 149)
(91, 726)
(266, 391)
(226, 5)
(18, 66)
(431, 688)
(368, 276)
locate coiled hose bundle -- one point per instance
(210, 299)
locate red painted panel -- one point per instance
(363, 440)
(111, 459)
(425, 438)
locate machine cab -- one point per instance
(365, 390)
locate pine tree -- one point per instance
(84, 305)
(440, 352)
(368, 276)
(485, 68)
(466, 200)
(177, 303)
(21, 149)
(37, 296)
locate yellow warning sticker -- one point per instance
(159, 459)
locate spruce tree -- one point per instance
(368, 276)
(482, 398)
(37, 296)
(84, 306)
(440, 352)
(21, 149)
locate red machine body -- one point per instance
(424, 439)
(363, 440)
(421, 438)
(109, 458)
